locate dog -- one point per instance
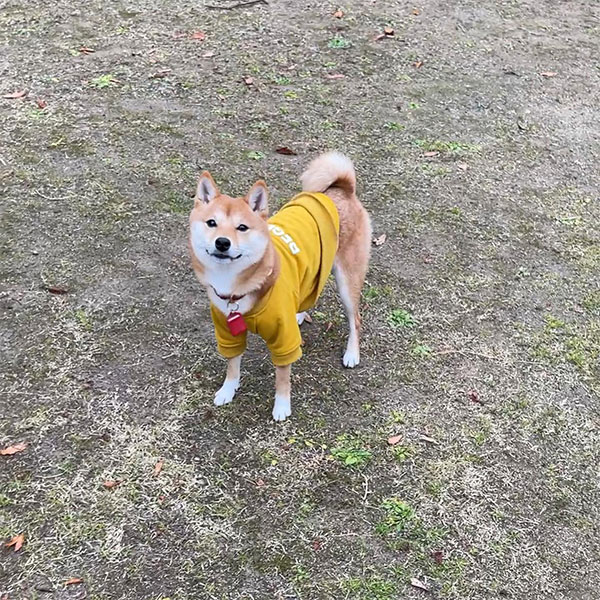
(263, 274)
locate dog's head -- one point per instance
(228, 231)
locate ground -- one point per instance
(475, 133)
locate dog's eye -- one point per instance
(211, 223)
(242, 227)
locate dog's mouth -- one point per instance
(221, 256)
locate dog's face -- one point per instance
(225, 231)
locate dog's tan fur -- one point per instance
(331, 173)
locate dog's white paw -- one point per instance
(282, 408)
(351, 358)
(301, 317)
(227, 392)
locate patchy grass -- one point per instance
(495, 248)
(350, 451)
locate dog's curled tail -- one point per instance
(331, 169)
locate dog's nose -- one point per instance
(222, 244)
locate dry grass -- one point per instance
(485, 289)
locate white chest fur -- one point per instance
(223, 281)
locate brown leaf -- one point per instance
(438, 557)
(53, 289)
(73, 580)
(419, 584)
(111, 483)
(395, 439)
(17, 542)
(16, 94)
(158, 467)
(380, 241)
(389, 31)
(416, 12)
(548, 74)
(249, 81)
(159, 74)
(86, 50)
(41, 104)
(307, 318)
(379, 36)
(431, 153)
(198, 35)
(335, 76)
(260, 483)
(329, 326)
(338, 14)
(316, 544)
(10, 450)
(473, 396)
(285, 150)
(209, 54)
(462, 166)
(418, 64)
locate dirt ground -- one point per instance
(475, 131)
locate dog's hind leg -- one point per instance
(350, 268)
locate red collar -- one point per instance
(230, 298)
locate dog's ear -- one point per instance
(207, 188)
(258, 198)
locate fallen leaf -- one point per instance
(462, 166)
(41, 104)
(55, 290)
(395, 439)
(416, 12)
(379, 36)
(438, 557)
(338, 14)
(419, 584)
(73, 580)
(429, 440)
(329, 326)
(285, 150)
(159, 74)
(548, 74)
(111, 483)
(86, 50)
(380, 241)
(474, 396)
(17, 542)
(208, 54)
(249, 81)
(10, 450)
(316, 544)
(158, 467)
(16, 94)
(418, 64)
(260, 483)
(307, 318)
(389, 31)
(335, 76)
(431, 153)
(198, 35)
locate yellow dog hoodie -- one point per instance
(305, 233)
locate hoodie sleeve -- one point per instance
(283, 338)
(229, 345)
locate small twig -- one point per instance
(238, 5)
(49, 198)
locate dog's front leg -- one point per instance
(283, 406)
(232, 382)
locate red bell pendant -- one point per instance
(236, 323)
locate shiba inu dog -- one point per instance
(263, 274)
